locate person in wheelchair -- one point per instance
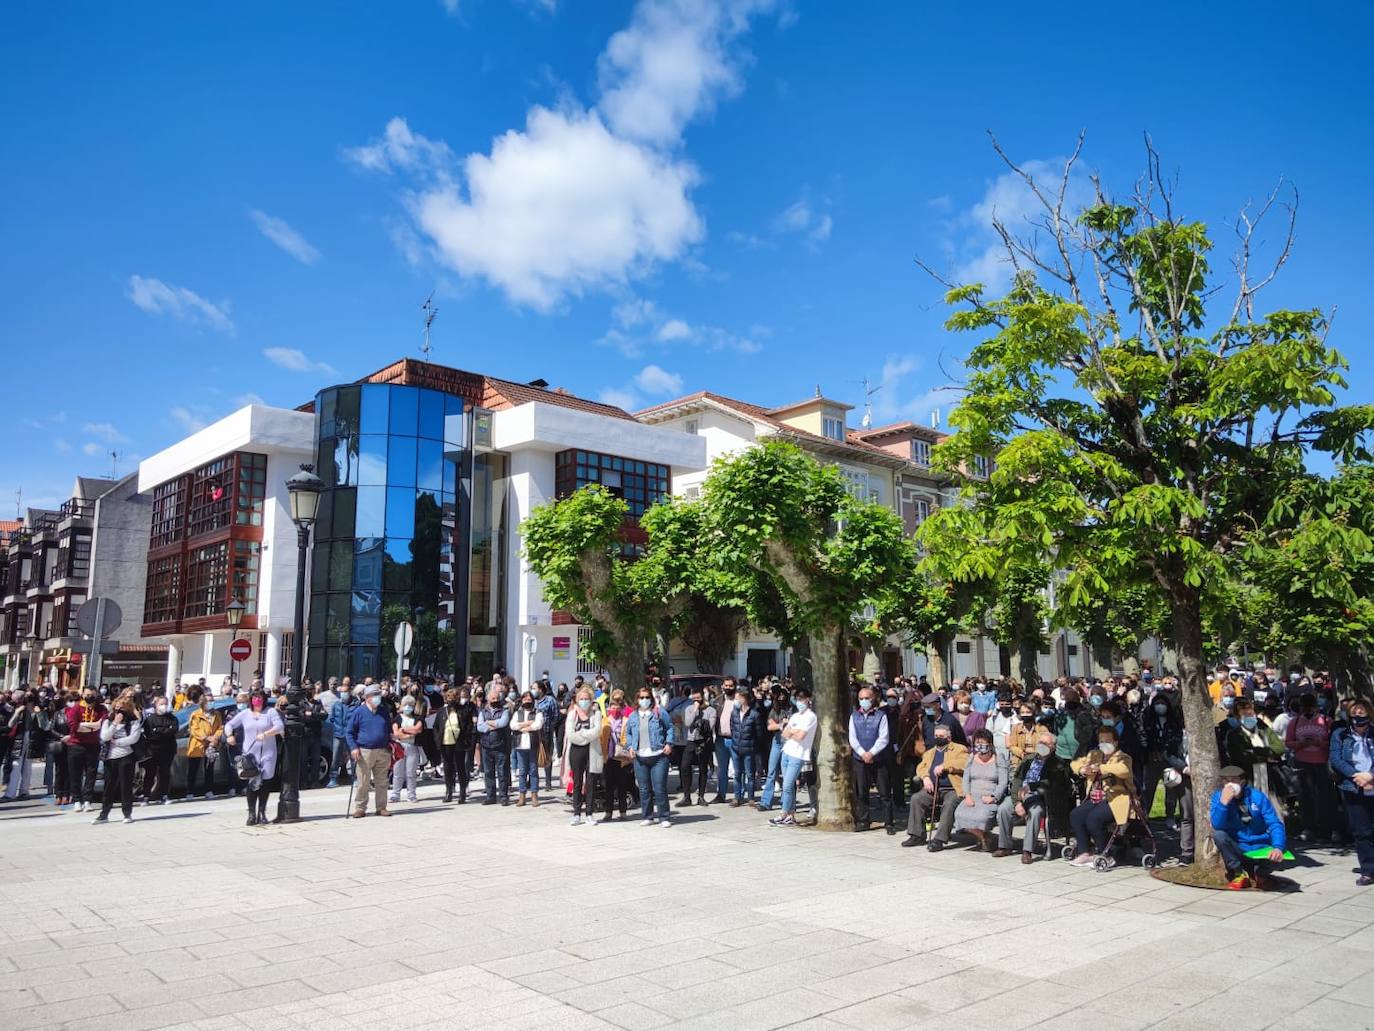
(1108, 789)
(1248, 831)
(1040, 789)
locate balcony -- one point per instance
(73, 511)
(45, 527)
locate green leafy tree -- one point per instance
(1134, 422)
(773, 511)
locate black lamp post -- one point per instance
(304, 491)
(233, 615)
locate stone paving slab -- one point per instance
(490, 918)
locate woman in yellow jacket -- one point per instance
(205, 727)
(1108, 775)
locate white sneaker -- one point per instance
(209, 796)
(576, 821)
(591, 821)
(164, 801)
(414, 799)
(100, 819)
(81, 807)
(647, 823)
(665, 822)
(127, 819)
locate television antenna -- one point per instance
(431, 310)
(114, 465)
(19, 504)
(867, 421)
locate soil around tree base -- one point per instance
(1199, 876)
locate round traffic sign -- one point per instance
(93, 610)
(241, 649)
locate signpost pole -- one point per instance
(97, 660)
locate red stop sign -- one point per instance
(240, 649)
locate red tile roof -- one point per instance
(9, 525)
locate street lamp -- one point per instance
(303, 489)
(233, 615)
(35, 655)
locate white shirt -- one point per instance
(528, 738)
(801, 749)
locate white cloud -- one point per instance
(188, 420)
(243, 400)
(900, 399)
(159, 298)
(295, 360)
(674, 329)
(801, 219)
(104, 431)
(620, 397)
(281, 233)
(581, 199)
(44, 422)
(978, 252)
(452, 7)
(653, 379)
(92, 448)
(63, 447)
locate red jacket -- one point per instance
(94, 714)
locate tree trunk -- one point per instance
(830, 683)
(1349, 667)
(802, 674)
(1203, 762)
(627, 666)
(937, 655)
(1028, 664)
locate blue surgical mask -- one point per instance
(1227, 701)
(1096, 701)
(801, 705)
(865, 704)
(1249, 722)
(932, 712)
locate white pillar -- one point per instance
(173, 678)
(271, 662)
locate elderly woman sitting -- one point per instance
(985, 785)
(1109, 783)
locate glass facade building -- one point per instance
(410, 522)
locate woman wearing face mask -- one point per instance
(970, 721)
(160, 732)
(1308, 737)
(119, 733)
(648, 736)
(406, 728)
(527, 727)
(583, 755)
(1109, 779)
(454, 727)
(259, 726)
(985, 785)
(1253, 746)
(619, 770)
(1021, 736)
(1163, 725)
(205, 728)
(1352, 760)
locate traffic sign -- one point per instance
(405, 637)
(241, 649)
(103, 612)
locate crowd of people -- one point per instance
(1081, 761)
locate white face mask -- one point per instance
(1107, 747)
(1042, 750)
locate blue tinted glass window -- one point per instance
(429, 474)
(372, 461)
(397, 566)
(374, 408)
(367, 565)
(455, 422)
(346, 461)
(400, 512)
(405, 410)
(367, 615)
(400, 462)
(370, 520)
(431, 414)
(345, 411)
(326, 405)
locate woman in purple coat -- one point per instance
(259, 726)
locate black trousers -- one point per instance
(157, 773)
(194, 768)
(310, 758)
(866, 777)
(695, 755)
(619, 781)
(82, 761)
(119, 786)
(584, 782)
(456, 767)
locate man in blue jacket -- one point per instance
(493, 731)
(339, 712)
(1243, 822)
(368, 733)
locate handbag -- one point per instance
(245, 767)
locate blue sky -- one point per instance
(208, 203)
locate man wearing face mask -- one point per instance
(340, 764)
(1040, 789)
(1243, 821)
(493, 732)
(933, 716)
(868, 747)
(1163, 738)
(160, 732)
(368, 735)
(1074, 727)
(941, 773)
(1256, 749)
(1352, 761)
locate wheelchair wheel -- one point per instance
(1066, 852)
(1148, 861)
(1100, 864)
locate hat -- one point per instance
(1232, 771)
(931, 699)
(373, 691)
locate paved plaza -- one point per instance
(482, 917)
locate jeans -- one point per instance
(791, 770)
(405, 773)
(527, 770)
(771, 777)
(1092, 824)
(725, 755)
(341, 763)
(496, 773)
(1359, 811)
(651, 773)
(744, 775)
